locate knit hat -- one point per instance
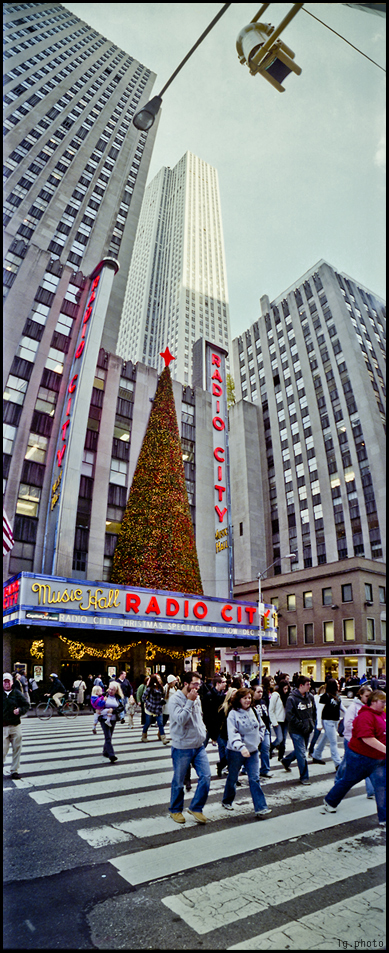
(7, 677)
(171, 678)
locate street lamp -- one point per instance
(145, 118)
(260, 576)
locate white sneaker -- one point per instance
(328, 808)
(228, 807)
(264, 813)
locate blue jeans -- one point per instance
(342, 768)
(281, 731)
(148, 720)
(235, 760)
(300, 752)
(358, 767)
(222, 748)
(315, 736)
(182, 759)
(331, 735)
(265, 754)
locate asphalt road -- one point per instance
(74, 816)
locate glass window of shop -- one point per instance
(329, 666)
(350, 667)
(308, 668)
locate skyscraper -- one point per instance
(309, 478)
(75, 170)
(177, 284)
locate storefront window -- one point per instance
(329, 666)
(308, 667)
(350, 667)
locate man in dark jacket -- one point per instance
(14, 705)
(300, 713)
(57, 689)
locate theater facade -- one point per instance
(72, 626)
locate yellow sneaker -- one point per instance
(178, 818)
(198, 816)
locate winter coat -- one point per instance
(350, 716)
(11, 700)
(153, 700)
(56, 686)
(211, 712)
(276, 709)
(332, 707)
(300, 713)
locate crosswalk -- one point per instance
(301, 879)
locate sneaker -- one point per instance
(264, 813)
(264, 777)
(328, 808)
(369, 796)
(284, 765)
(165, 740)
(15, 776)
(178, 818)
(198, 816)
(304, 781)
(228, 807)
(318, 761)
(113, 759)
(382, 823)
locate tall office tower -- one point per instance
(177, 284)
(75, 170)
(310, 478)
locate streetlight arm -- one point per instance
(200, 40)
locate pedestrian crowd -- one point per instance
(237, 716)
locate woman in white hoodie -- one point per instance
(358, 702)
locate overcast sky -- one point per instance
(301, 173)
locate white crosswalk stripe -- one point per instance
(123, 807)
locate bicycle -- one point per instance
(68, 708)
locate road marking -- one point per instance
(104, 836)
(357, 923)
(162, 861)
(215, 905)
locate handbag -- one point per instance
(341, 727)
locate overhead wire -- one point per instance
(344, 38)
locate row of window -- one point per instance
(327, 597)
(328, 632)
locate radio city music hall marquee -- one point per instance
(31, 599)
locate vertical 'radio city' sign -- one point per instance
(217, 385)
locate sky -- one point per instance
(301, 173)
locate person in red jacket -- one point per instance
(365, 756)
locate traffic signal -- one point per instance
(260, 49)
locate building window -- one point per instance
(292, 634)
(326, 595)
(383, 630)
(240, 529)
(328, 632)
(307, 600)
(368, 592)
(347, 593)
(348, 630)
(308, 634)
(291, 602)
(370, 630)
(382, 594)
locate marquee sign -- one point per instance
(217, 385)
(76, 603)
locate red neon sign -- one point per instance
(73, 383)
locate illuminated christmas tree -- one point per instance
(156, 546)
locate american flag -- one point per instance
(8, 536)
